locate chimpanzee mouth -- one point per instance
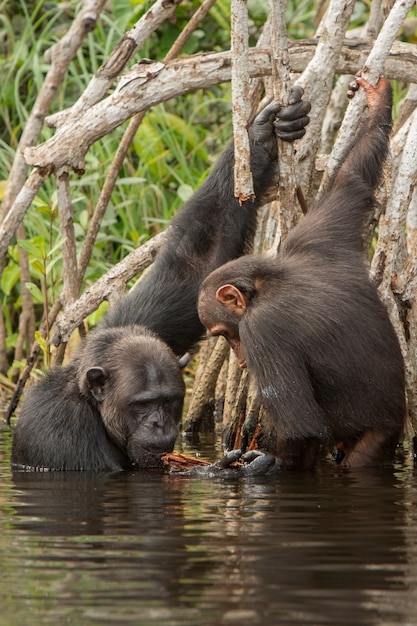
(147, 459)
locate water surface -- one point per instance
(321, 548)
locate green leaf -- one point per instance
(38, 266)
(51, 264)
(10, 277)
(34, 250)
(35, 293)
(41, 341)
(57, 246)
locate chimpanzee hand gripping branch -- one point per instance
(309, 325)
(118, 403)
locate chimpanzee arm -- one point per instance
(365, 157)
(211, 229)
(335, 224)
(285, 389)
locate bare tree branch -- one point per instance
(399, 281)
(317, 80)
(113, 282)
(372, 70)
(189, 29)
(23, 200)
(117, 61)
(205, 382)
(240, 100)
(283, 213)
(60, 55)
(338, 102)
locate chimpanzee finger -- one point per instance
(260, 464)
(262, 130)
(251, 455)
(294, 111)
(288, 126)
(291, 129)
(296, 94)
(268, 113)
(228, 459)
(291, 136)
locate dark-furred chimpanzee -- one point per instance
(118, 403)
(309, 325)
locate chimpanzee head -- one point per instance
(224, 298)
(135, 382)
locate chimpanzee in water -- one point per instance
(309, 325)
(118, 403)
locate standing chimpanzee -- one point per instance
(118, 403)
(309, 325)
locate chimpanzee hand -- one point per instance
(287, 122)
(255, 463)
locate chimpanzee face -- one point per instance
(140, 395)
(153, 415)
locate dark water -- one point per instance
(149, 548)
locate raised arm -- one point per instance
(341, 211)
(211, 229)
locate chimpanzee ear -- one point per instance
(96, 377)
(232, 298)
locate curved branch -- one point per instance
(130, 43)
(60, 56)
(148, 84)
(111, 283)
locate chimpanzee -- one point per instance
(309, 325)
(118, 403)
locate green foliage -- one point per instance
(27, 30)
(214, 35)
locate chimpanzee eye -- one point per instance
(219, 332)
